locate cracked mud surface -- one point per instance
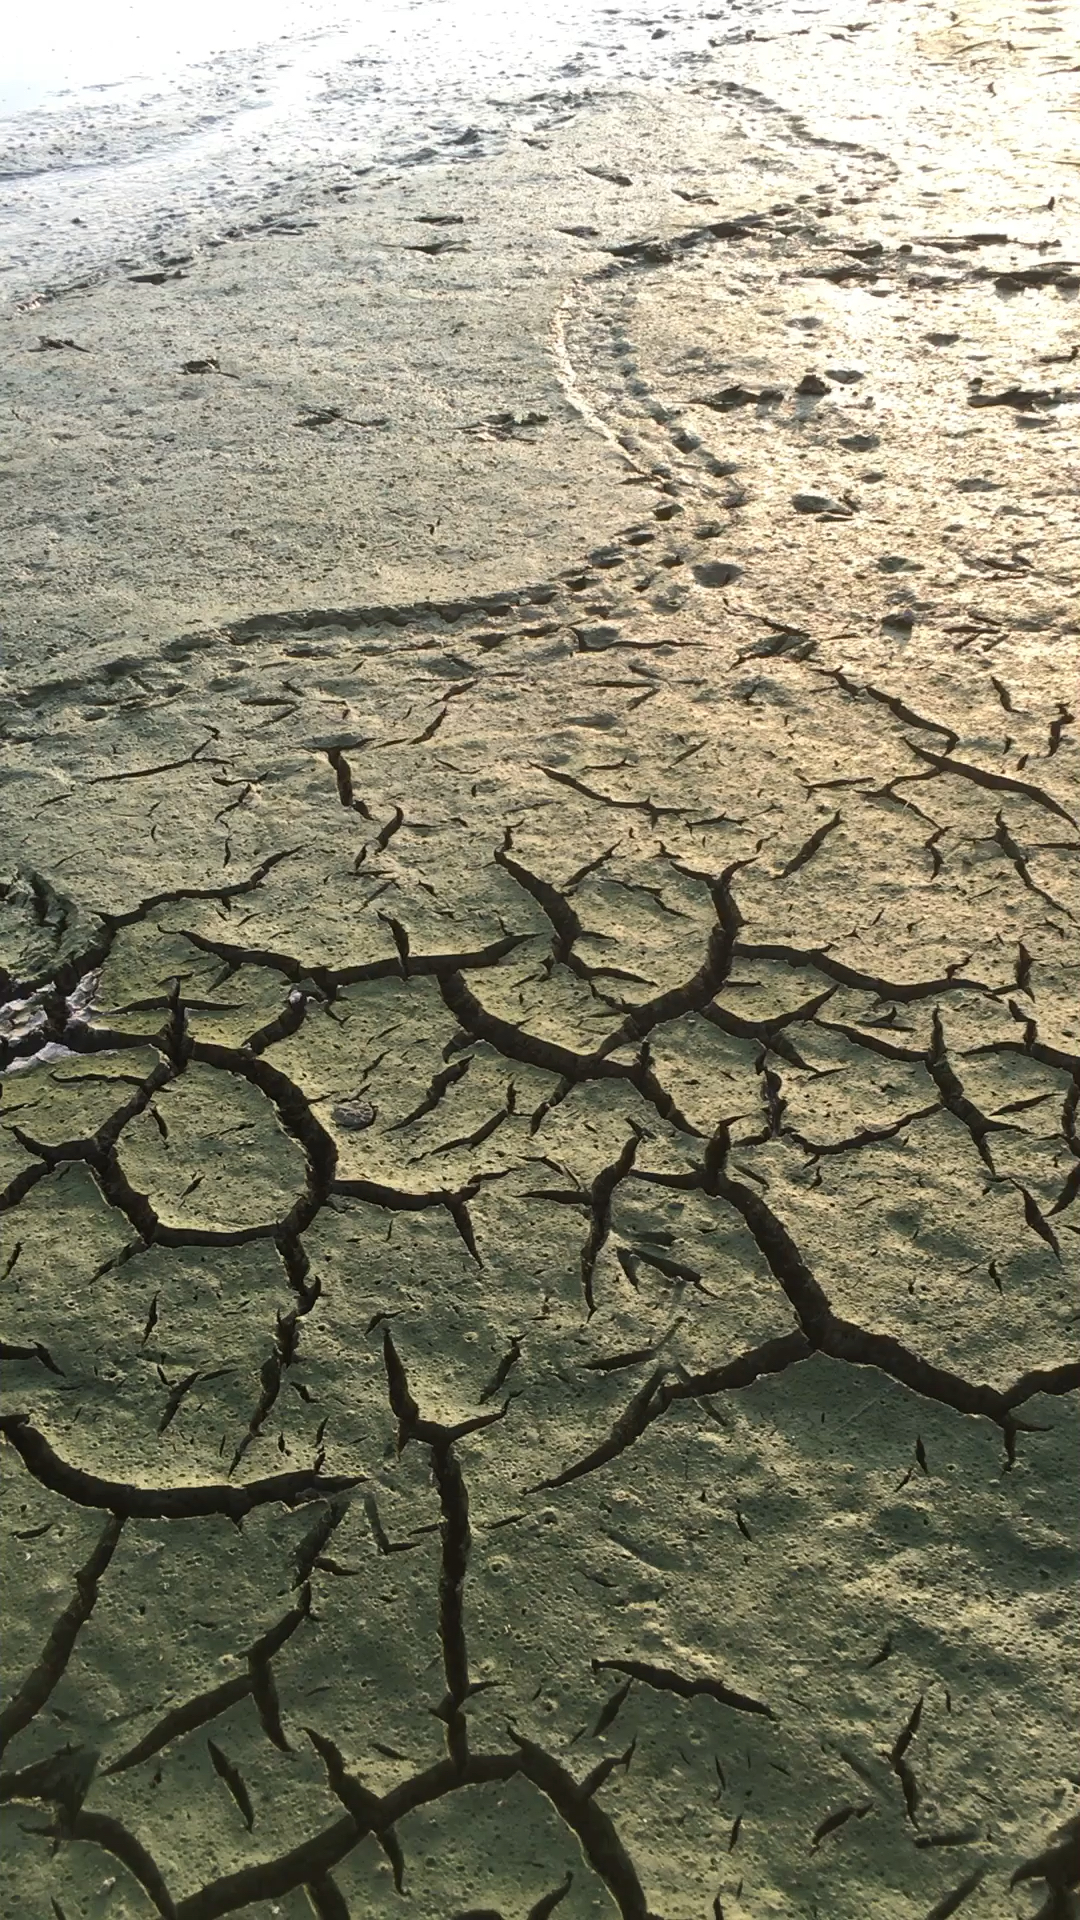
(539, 1148)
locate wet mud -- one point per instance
(539, 1147)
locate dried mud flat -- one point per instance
(540, 1126)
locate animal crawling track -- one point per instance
(510, 1138)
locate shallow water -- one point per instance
(125, 131)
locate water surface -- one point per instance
(125, 129)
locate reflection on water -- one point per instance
(68, 47)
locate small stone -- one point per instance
(860, 442)
(812, 383)
(896, 563)
(813, 503)
(716, 573)
(847, 376)
(354, 1115)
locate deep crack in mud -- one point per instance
(539, 1154)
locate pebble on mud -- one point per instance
(354, 1115)
(716, 573)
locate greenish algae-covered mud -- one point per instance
(539, 1150)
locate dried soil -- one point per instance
(539, 1133)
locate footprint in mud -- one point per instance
(48, 342)
(330, 416)
(729, 398)
(609, 174)
(504, 426)
(434, 247)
